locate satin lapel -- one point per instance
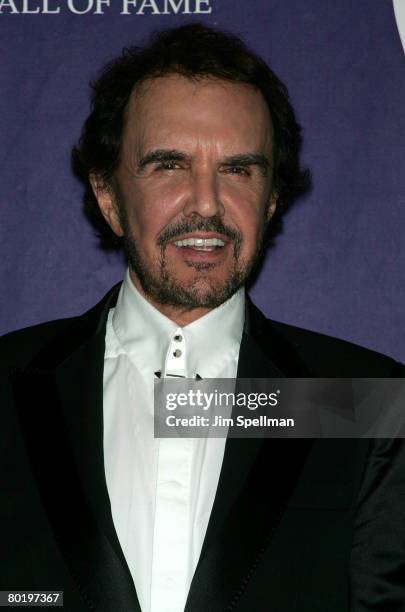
(65, 440)
(252, 490)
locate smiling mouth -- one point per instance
(201, 244)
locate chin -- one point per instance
(201, 293)
(202, 287)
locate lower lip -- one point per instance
(189, 254)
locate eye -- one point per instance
(238, 170)
(167, 165)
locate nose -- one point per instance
(204, 198)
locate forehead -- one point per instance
(206, 110)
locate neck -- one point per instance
(182, 316)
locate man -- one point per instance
(191, 153)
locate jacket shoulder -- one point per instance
(341, 356)
(18, 348)
(327, 356)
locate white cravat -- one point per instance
(161, 491)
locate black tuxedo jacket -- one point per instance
(297, 525)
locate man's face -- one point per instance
(193, 191)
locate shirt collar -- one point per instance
(146, 335)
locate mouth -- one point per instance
(210, 248)
(200, 244)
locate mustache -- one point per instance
(211, 224)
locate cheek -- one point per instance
(248, 212)
(147, 220)
(251, 235)
(249, 197)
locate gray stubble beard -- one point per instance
(163, 289)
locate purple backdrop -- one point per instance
(339, 265)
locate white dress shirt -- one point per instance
(161, 490)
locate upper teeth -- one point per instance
(200, 242)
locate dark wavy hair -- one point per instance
(194, 51)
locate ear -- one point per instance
(272, 206)
(107, 203)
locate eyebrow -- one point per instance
(242, 159)
(161, 155)
(248, 159)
